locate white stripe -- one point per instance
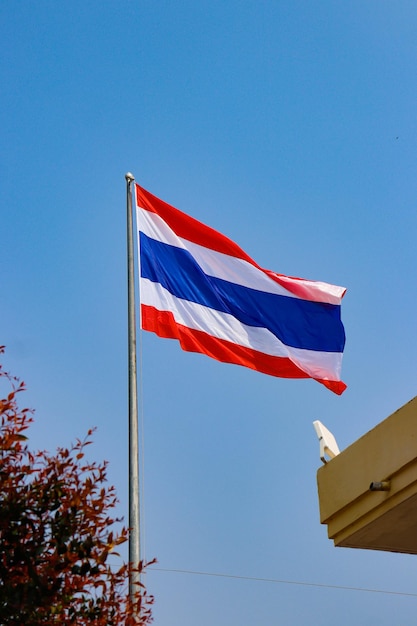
(320, 291)
(212, 263)
(322, 365)
(230, 268)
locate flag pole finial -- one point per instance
(129, 177)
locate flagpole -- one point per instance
(134, 515)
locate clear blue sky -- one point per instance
(288, 126)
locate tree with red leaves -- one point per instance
(56, 534)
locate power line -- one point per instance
(284, 582)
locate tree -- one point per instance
(57, 532)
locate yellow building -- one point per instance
(368, 492)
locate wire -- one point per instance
(283, 582)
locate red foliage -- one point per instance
(56, 534)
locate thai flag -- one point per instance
(201, 288)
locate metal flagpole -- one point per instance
(134, 517)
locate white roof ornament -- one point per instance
(327, 441)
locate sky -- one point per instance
(291, 128)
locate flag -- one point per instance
(199, 287)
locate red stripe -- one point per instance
(189, 228)
(164, 325)
(192, 230)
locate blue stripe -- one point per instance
(297, 323)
